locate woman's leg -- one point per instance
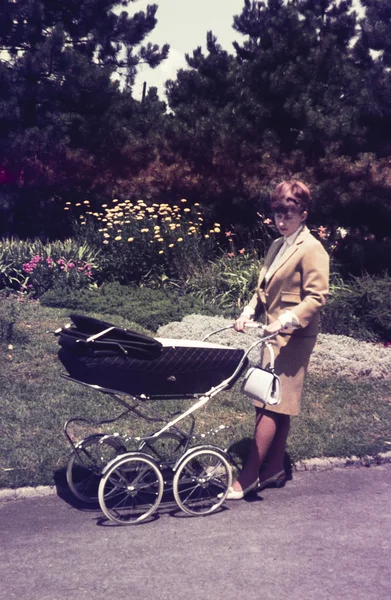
(276, 454)
(266, 425)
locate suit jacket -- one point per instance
(299, 283)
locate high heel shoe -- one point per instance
(278, 480)
(240, 494)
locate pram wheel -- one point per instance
(136, 487)
(202, 481)
(166, 448)
(85, 466)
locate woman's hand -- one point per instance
(240, 323)
(274, 327)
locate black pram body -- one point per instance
(99, 353)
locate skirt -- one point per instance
(291, 358)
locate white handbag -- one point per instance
(263, 384)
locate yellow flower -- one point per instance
(167, 218)
(66, 207)
(180, 240)
(118, 238)
(196, 204)
(78, 204)
(160, 239)
(217, 225)
(115, 200)
(139, 218)
(206, 236)
(170, 245)
(86, 202)
(104, 205)
(161, 251)
(144, 230)
(68, 202)
(130, 239)
(156, 227)
(105, 241)
(183, 200)
(186, 210)
(217, 229)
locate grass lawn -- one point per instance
(339, 417)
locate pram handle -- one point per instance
(253, 324)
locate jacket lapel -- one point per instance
(274, 250)
(289, 252)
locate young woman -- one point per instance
(292, 288)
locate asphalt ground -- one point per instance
(325, 535)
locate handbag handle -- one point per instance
(271, 354)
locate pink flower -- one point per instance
(228, 233)
(267, 221)
(71, 265)
(230, 254)
(49, 260)
(61, 261)
(322, 232)
(242, 250)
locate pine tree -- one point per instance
(69, 124)
(304, 97)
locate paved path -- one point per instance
(326, 535)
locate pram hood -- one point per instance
(100, 353)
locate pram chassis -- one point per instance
(129, 485)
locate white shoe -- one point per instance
(240, 494)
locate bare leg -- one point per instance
(266, 425)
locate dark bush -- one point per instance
(359, 307)
(148, 307)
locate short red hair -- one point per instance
(291, 196)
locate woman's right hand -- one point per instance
(240, 323)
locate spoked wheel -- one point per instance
(202, 481)
(166, 449)
(85, 466)
(135, 486)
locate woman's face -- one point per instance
(288, 223)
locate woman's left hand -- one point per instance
(273, 327)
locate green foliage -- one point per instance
(148, 307)
(34, 267)
(360, 308)
(9, 311)
(139, 241)
(227, 283)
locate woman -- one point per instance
(292, 288)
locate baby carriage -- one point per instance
(138, 372)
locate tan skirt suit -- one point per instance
(299, 283)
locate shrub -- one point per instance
(35, 267)
(359, 307)
(9, 310)
(148, 307)
(139, 240)
(227, 283)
